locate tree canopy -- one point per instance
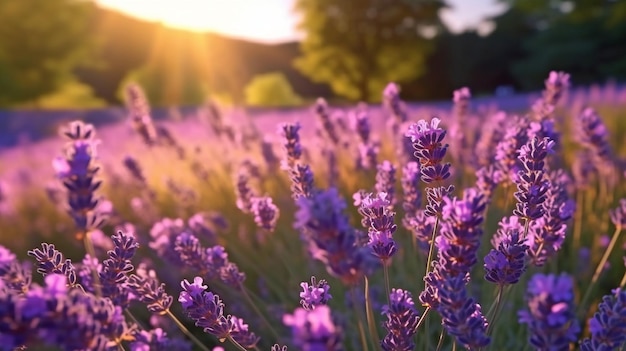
(358, 46)
(41, 42)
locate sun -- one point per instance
(267, 20)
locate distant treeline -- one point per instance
(518, 53)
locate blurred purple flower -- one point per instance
(550, 315)
(315, 294)
(314, 330)
(265, 212)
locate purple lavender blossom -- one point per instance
(379, 218)
(314, 330)
(550, 315)
(301, 181)
(328, 235)
(244, 192)
(147, 288)
(241, 333)
(139, 114)
(461, 231)
(386, 181)
(507, 263)
(50, 261)
(115, 269)
(77, 170)
(204, 308)
(515, 136)
(608, 325)
(532, 186)
(163, 235)
(327, 128)
(427, 141)
(391, 99)
(412, 200)
(231, 276)
(315, 294)
(293, 149)
(134, 168)
(401, 323)
(548, 232)
(556, 83)
(265, 212)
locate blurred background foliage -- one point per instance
(74, 54)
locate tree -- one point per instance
(271, 90)
(358, 46)
(41, 42)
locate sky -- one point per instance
(269, 21)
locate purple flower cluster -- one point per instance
(550, 316)
(608, 325)
(300, 173)
(139, 114)
(378, 217)
(401, 323)
(326, 129)
(506, 264)
(547, 233)
(328, 235)
(315, 294)
(115, 269)
(210, 263)
(244, 192)
(427, 140)
(207, 310)
(55, 316)
(368, 148)
(618, 215)
(265, 212)
(313, 330)
(157, 340)
(77, 170)
(148, 290)
(386, 181)
(532, 185)
(515, 136)
(50, 261)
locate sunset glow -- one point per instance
(267, 20)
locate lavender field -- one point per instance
(478, 224)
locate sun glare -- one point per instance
(267, 20)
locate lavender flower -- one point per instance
(329, 236)
(114, 274)
(386, 181)
(323, 116)
(77, 171)
(547, 234)
(244, 192)
(148, 290)
(265, 212)
(410, 186)
(515, 136)
(134, 168)
(163, 235)
(50, 261)
(205, 308)
(379, 218)
(461, 232)
(139, 114)
(556, 83)
(241, 333)
(401, 323)
(506, 264)
(531, 186)
(550, 315)
(608, 325)
(593, 135)
(314, 330)
(421, 226)
(290, 132)
(315, 294)
(427, 141)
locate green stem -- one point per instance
(237, 345)
(431, 250)
(600, 267)
(386, 274)
(186, 331)
(369, 314)
(578, 221)
(441, 336)
(492, 319)
(357, 315)
(244, 291)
